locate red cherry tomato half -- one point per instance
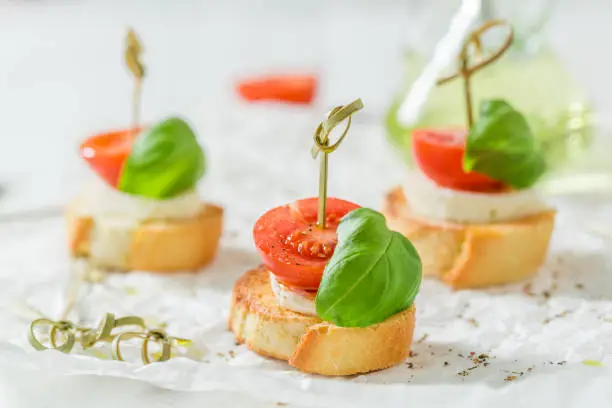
(439, 154)
(292, 246)
(106, 153)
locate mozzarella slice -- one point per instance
(291, 300)
(101, 200)
(117, 215)
(428, 200)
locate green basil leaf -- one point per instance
(166, 160)
(502, 146)
(373, 274)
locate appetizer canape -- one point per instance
(471, 208)
(142, 211)
(335, 293)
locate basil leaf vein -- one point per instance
(373, 274)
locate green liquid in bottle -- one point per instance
(536, 85)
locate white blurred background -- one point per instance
(62, 76)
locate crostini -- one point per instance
(471, 207)
(335, 293)
(142, 210)
(333, 301)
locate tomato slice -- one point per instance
(106, 153)
(439, 154)
(292, 246)
(300, 89)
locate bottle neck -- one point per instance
(528, 24)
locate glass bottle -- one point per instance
(530, 77)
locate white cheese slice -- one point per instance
(101, 200)
(291, 300)
(428, 200)
(116, 215)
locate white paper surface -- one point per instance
(258, 161)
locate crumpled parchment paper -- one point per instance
(546, 341)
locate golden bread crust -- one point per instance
(157, 245)
(473, 255)
(308, 343)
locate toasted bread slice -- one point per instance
(473, 255)
(308, 343)
(164, 245)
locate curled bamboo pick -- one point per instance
(164, 341)
(466, 71)
(64, 334)
(133, 51)
(321, 140)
